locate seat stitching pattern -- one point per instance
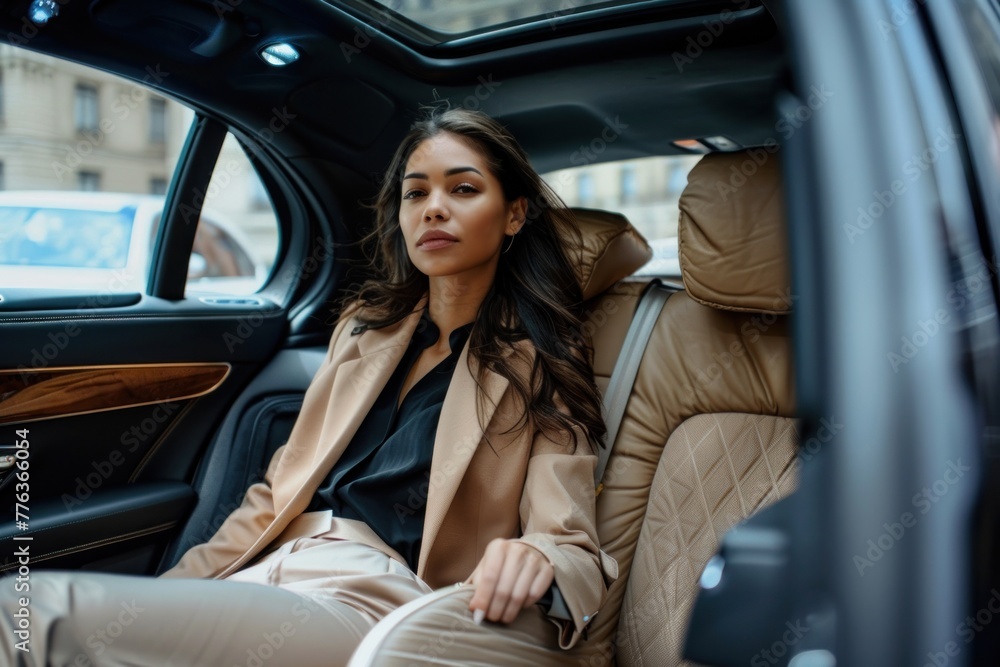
(715, 470)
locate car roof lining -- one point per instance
(354, 110)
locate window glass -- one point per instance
(157, 120)
(88, 181)
(585, 189)
(237, 236)
(644, 190)
(448, 16)
(87, 158)
(629, 186)
(86, 108)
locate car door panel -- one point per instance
(257, 423)
(232, 329)
(61, 392)
(17, 299)
(112, 522)
(118, 405)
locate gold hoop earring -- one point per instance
(510, 244)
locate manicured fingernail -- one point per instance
(478, 615)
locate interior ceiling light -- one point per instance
(279, 54)
(722, 143)
(42, 11)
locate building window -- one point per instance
(677, 173)
(88, 181)
(3, 181)
(629, 184)
(86, 108)
(157, 121)
(157, 186)
(585, 189)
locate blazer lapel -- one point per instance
(356, 385)
(456, 440)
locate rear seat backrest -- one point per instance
(708, 436)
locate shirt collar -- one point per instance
(427, 333)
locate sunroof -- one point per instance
(469, 17)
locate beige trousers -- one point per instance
(309, 602)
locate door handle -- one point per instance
(7, 460)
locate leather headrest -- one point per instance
(612, 250)
(731, 235)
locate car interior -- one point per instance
(150, 419)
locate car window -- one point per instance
(86, 160)
(644, 190)
(237, 237)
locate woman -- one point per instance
(447, 442)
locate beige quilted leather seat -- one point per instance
(708, 436)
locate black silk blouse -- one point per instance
(382, 477)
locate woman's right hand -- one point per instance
(511, 576)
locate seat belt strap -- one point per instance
(654, 295)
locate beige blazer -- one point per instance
(483, 484)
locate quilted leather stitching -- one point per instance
(716, 470)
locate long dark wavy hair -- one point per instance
(535, 293)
